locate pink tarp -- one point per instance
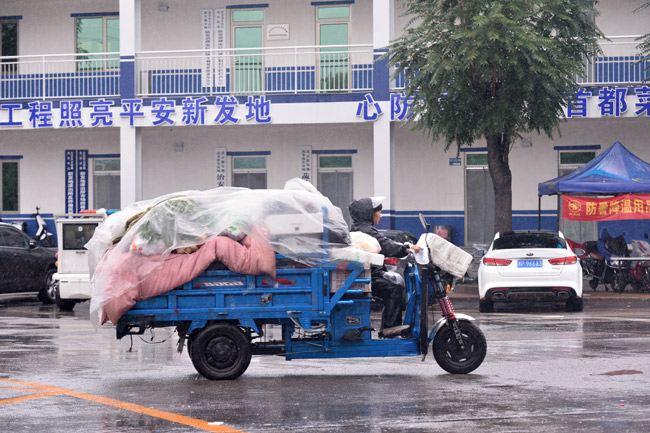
(149, 276)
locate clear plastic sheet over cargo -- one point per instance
(297, 222)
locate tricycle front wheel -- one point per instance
(455, 359)
(221, 352)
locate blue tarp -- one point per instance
(615, 171)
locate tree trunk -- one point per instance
(499, 166)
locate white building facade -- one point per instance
(106, 102)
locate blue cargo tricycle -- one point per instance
(305, 312)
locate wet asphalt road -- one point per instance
(545, 371)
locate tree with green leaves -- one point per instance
(493, 70)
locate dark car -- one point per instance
(25, 266)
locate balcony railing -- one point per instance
(288, 70)
(59, 76)
(254, 71)
(620, 64)
(281, 70)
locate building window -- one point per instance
(244, 16)
(106, 183)
(335, 180)
(247, 35)
(249, 172)
(477, 160)
(572, 160)
(9, 46)
(9, 186)
(333, 24)
(98, 35)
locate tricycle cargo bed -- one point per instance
(301, 294)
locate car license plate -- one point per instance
(529, 263)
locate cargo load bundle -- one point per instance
(153, 246)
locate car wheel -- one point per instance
(64, 304)
(47, 295)
(221, 352)
(574, 304)
(486, 306)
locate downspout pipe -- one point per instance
(539, 212)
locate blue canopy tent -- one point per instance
(613, 172)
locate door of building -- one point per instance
(335, 181)
(334, 60)
(248, 63)
(479, 201)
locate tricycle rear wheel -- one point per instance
(457, 360)
(221, 352)
(620, 281)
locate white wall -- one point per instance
(616, 18)
(166, 171)
(180, 27)
(46, 27)
(425, 181)
(49, 29)
(42, 168)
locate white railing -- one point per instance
(59, 76)
(287, 70)
(619, 64)
(278, 70)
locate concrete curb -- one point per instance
(470, 291)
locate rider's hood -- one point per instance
(361, 211)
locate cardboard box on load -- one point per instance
(338, 277)
(295, 224)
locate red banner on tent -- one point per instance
(621, 207)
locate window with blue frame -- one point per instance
(333, 26)
(97, 35)
(249, 172)
(9, 186)
(9, 46)
(247, 27)
(106, 183)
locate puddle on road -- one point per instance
(620, 373)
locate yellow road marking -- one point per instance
(48, 391)
(27, 398)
